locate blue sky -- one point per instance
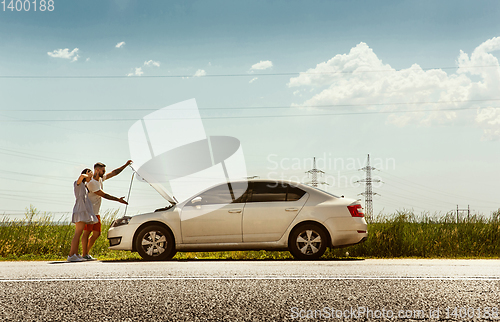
(371, 58)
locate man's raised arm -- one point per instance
(117, 170)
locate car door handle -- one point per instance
(234, 211)
(291, 209)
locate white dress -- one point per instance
(82, 211)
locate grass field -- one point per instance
(402, 234)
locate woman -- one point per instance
(82, 213)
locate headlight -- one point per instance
(121, 221)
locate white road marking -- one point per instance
(201, 278)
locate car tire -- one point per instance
(308, 242)
(155, 243)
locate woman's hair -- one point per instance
(86, 170)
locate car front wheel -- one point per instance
(308, 241)
(155, 243)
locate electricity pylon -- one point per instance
(314, 175)
(368, 188)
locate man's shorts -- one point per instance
(94, 227)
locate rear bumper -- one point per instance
(346, 231)
(359, 242)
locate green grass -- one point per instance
(399, 235)
(39, 237)
(405, 235)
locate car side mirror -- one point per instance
(196, 200)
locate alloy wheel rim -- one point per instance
(154, 243)
(309, 242)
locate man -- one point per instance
(96, 193)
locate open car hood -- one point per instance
(156, 185)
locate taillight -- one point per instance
(356, 210)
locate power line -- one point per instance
(34, 182)
(63, 128)
(396, 203)
(417, 195)
(254, 107)
(21, 213)
(50, 177)
(436, 191)
(34, 156)
(249, 117)
(231, 75)
(40, 200)
(420, 200)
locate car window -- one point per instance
(239, 191)
(324, 191)
(275, 191)
(216, 195)
(222, 194)
(294, 193)
(268, 191)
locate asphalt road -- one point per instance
(357, 290)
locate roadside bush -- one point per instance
(402, 234)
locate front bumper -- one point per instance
(115, 241)
(121, 237)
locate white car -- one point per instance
(244, 215)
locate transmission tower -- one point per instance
(368, 188)
(314, 175)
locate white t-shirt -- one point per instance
(94, 186)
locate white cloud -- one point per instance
(360, 78)
(253, 80)
(88, 59)
(200, 73)
(489, 120)
(263, 64)
(138, 72)
(65, 53)
(120, 44)
(152, 63)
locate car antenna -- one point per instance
(129, 189)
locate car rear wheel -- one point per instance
(155, 243)
(308, 241)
